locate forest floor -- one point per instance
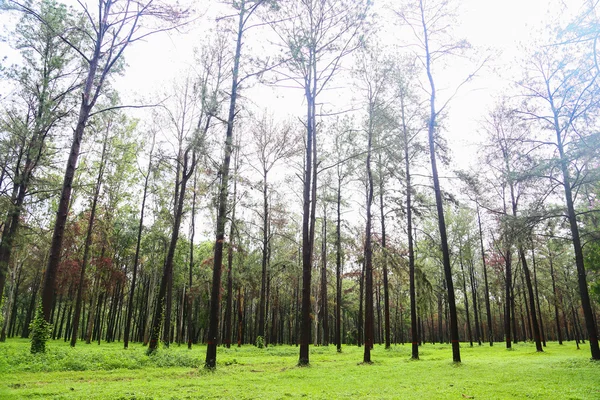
(107, 371)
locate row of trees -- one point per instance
(363, 247)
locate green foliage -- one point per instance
(591, 253)
(260, 342)
(40, 332)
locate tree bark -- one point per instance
(579, 260)
(555, 297)
(537, 298)
(338, 269)
(409, 234)
(488, 309)
(369, 252)
(324, 308)
(531, 298)
(215, 296)
(431, 125)
(386, 291)
(136, 258)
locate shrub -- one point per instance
(260, 342)
(40, 332)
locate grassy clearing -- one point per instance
(109, 372)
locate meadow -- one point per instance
(107, 371)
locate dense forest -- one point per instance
(215, 210)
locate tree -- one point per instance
(373, 71)
(562, 92)
(45, 84)
(408, 110)
(431, 23)
(318, 34)
(245, 10)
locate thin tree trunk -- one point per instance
(464, 282)
(440, 207)
(136, 258)
(555, 296)
(213, 321)
(361, 297)
(485, 278)
(409, 233)
(537, 298)
(474, 295)
(579, 260)
(386, 291)
(508, 299)
(338, 270)
(369, 252)
(324, 308)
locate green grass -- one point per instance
(109, 372)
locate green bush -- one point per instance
(260, 342)
(40, 332)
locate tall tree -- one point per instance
(245, 9)
(45, 84)
(562, 92)
(317, 36)
(431, 23)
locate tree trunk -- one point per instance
(508, 299)
(386, 291)
(213, 327)
(488, 309)
(338, 270)
(555, 295)
(464, 282)
(136, 258)
(537, 298)
(324, 308)
(531, 298)
(579, 260)
(369, 254)
(409, 234)
(89, 97)
(474, 295)
(229, 300)
(440, 208)
(361, 297)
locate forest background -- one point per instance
(306, 172)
